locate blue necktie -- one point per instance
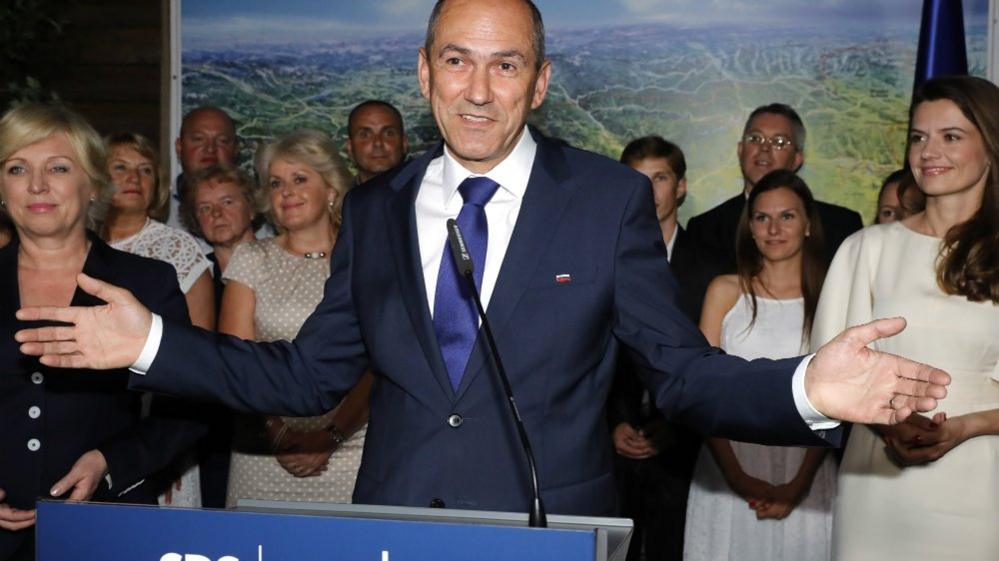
(456, 321)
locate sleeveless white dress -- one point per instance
(948, 509)
(720, 525)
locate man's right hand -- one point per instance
(630, 443)
(100, 337)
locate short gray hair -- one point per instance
(537, 34)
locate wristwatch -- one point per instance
(338, 437)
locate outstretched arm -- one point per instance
(750, 401)
(300, 378)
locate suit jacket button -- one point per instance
(436, 503)
(455, 421)
(34, 445)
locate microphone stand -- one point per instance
(463, 260)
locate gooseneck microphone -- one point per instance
(463, 261)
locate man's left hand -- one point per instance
(848, 381)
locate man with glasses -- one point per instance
(774, 138)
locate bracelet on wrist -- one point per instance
(338, 437)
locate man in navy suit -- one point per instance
(773, 138)
(573, 273)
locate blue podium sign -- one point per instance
(103, 532)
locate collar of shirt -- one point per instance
(672, 242)
(438, 200)
(512, 173)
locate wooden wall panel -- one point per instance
(106, 62)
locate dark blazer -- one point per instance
(582, 215)
(68, 412)
(716, 228)
(694, 268)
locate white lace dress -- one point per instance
(178, 248)
(720, 525)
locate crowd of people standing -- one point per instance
(772, 272)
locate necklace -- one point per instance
(314, 254)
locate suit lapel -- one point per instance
(96, 265)
(540, 212)
(10, 297)
(401, 223)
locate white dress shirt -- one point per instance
(438, 201)
(672, 242)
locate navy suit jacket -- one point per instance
(582, 215)
(79, 410)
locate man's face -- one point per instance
(666, 188)
(481, 78)
(376, 141)
(759, 159)
(207, 139)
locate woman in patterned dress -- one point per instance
(272, 286)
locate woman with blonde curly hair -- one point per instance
(272, 286)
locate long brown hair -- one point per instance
(749, 260)
(968, 264)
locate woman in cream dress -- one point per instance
(929, 488)
(273, 286)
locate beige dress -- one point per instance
(287, 288)
(949, 509)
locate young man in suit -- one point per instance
(773, 138)
(572, 273)
(654, 458)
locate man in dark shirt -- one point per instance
(774, 138)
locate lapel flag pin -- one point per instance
(564, 278)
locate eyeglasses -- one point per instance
(778, 142)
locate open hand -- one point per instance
(83, 478)
(631, 443)
(14, 519)
(846, 380)
(100, 337)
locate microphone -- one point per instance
(463, 261)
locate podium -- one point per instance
(281, 531)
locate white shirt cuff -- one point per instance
(152, 346)
(815, 420)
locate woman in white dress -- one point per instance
(749, 501)
(272, 286)
(929, 488)
(134, 225)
